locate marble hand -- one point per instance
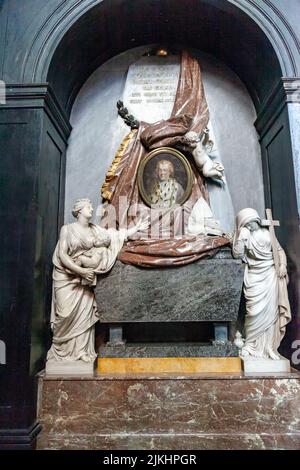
(88, 274)
(229, 236)
(142, 224)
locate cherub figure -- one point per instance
(198, 146)
(92, 257)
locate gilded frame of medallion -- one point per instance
(173, 155)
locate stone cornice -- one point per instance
(287, 91)
(38, 96)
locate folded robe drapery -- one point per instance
(190, 113)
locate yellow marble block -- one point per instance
(157, 365)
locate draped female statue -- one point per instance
(267, 304)
(83, 251)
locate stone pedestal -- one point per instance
(253, 365)
(63, 368)
(170, 412)
(206, 294)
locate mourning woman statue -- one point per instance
(83, 251)
(265, 289)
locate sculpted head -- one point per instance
(164, 170)
(191, 139)
(248, 218)
(84, 207)
(252, 226)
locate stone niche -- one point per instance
(171, 312)
(180, 311)
(97, 132)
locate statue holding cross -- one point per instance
(265, 284)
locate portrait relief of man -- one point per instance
(166, 190)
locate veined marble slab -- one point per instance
(206, 290)
(172, 412)
(151, 87)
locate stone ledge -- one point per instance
(217, 412)
(180, 365)
(221, 441)
(169, 350)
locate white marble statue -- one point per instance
(197, 145)
(201, 220)
(83, 250)
(265, 287)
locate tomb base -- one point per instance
(170, 412)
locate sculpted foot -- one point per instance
(273, 355)
(245, 353)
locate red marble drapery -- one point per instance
(190, 113)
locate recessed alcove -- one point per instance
(98, 131)
(49, 56)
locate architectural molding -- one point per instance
(269, 23)
(269, 18)
(287, 91)
(38, 96)
(20, 438)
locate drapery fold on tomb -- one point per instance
(167, 242)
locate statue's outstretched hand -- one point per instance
(143, 225)
(229, 236)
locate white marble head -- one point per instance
(80, 205)
(248, 217)
(191, 138)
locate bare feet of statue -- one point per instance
(273, 355)
(245, 352)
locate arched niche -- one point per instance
(97, 132)
(86, 38)
(254, 40)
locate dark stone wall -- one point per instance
(32, 182)
(20, 22)
(18, 207)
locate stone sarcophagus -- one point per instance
(204, 296)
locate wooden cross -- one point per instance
(271, 224)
